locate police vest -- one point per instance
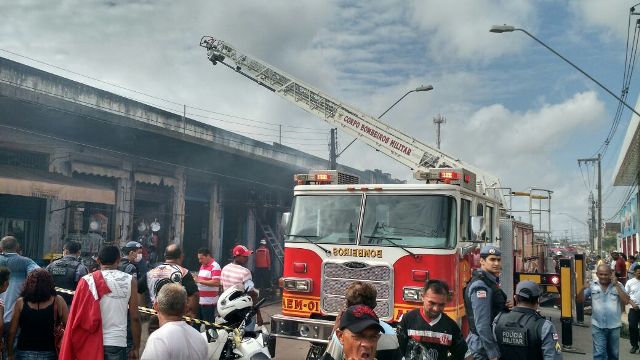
(498, 299)
(124, 264)
(519, 334)
(63, 272)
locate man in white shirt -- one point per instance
(175, 339)
(116, 305)
(632, 287)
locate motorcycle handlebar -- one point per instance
(260, 303)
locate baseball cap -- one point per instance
(528, 289)
(490, 250)
(241, 250)
(359, 317)
(133, 245)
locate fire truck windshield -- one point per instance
(427, 221)
(328, 219)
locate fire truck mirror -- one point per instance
(285, 220)
(478, 228)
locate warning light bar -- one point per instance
(449, 175)
(325, 177)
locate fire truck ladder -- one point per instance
(407, 150)
(273, 242)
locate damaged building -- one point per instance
(80, 163)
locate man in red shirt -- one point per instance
(208, 281)
(620, 269)
(263, 266)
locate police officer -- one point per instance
(523, 333)
(68, 270)
(483, 301)
(132, 259)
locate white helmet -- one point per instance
(234, 304)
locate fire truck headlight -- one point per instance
(301, 285)
(412, 294)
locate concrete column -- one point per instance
(178, 206)
(215, 221)
(125, 194)
(251, 232)
(54, 224)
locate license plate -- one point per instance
(300, 305)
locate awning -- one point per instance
(155, 179)
(92, 169)
(43, 184)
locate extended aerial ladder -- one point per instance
(418, 156)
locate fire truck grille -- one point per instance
(338, 276)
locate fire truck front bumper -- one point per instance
(301, 329)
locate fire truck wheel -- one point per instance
(316, 350)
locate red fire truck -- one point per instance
(393, 236)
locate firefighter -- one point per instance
(263, 266)
(523, 333)
(483, 301)
(68, 270)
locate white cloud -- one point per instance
(366, 53)
(603, 17)
(460, 30)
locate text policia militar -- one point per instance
(376, 134)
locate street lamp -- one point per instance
(508, 28)
(420, 88)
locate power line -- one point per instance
(629, 66)
(206, 135)
(152, 96)
(630, 192)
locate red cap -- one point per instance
(241, 250)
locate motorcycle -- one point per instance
(232, 340)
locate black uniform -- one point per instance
(129, 267)
(66, 273)
(524, 334)
(421, 338)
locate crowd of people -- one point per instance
(97, 312)
(498, 329)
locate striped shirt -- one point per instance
(234, 274)
(209, 294)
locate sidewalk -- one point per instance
(582, 338)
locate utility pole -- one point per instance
(332, 150)
(438, 120)
(599, 203)
(592, 221)
(599, 206)
(280, 137)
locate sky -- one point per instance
(512, 107)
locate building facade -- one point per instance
(627, 174)
(80, 163)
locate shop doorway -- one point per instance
(196, 231)
(24, 217)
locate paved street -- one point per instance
(295, 350)
(286, 349)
